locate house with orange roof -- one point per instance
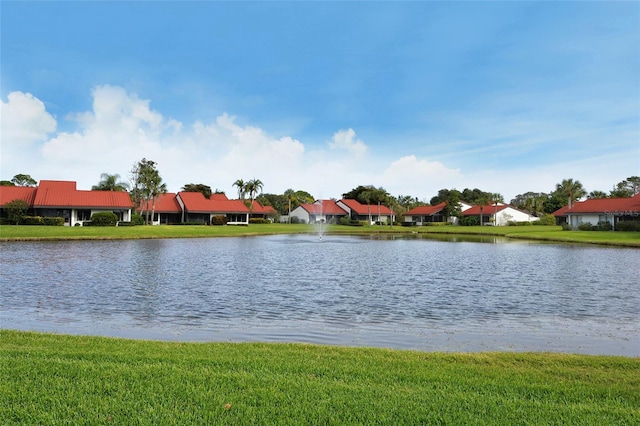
(599, 210)
(498, 214)
(258, 211)
(371, 213)
(194, 207)
(322, 211)
(52, 198)
(422, 215)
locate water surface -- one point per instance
(395, 292)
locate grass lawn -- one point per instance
(547, 233)
(57, 379)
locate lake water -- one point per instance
(409, 293)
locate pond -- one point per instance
(410, 293)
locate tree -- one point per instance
(496, 199)
(6, 183)
(572, 190)
(16, 210)
(627, 188)
(452, 207)
(24, 180)
(198, 187)
(291, 198)
(373, 195)
(253, 187)
(242, 190)
(148, 185)
(482, 201)
(597, 194)
(110, 183)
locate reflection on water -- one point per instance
(377, 291)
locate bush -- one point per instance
(628, 226)
(126, 224)
(547, 219)
(104, 219)
(137, 219)
(513, 223)
(258, 220)
(470, 221)
(585, 226)
(16, 210)
(295, 219)
(32, 220)
(438, 224)
(604, 226)
(219, 220)
(53, 221)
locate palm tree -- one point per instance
(495, 199)
(253, 187)
(482, 201)
(242, 190)
(110, 183)
(291, 196)
(573, 190)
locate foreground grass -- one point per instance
(543, 233)
(56, 379)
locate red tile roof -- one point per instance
(195, 202)
(258, 208)
(426, 210)
(488, 209)
(63, 194)
(327, 207)
(10, 193)
(363, 209)
(166, 203)
(602, 205)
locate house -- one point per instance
(371, 213)
(53, 198)
(429, 214)
(594, 211)
(258, 211)
(425, 214)
(498, 214)
(167, 209)
(322, 211)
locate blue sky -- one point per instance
(507, 97)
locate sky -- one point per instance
(414, 97)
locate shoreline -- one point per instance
(552, 234)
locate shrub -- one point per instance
(137, 219)
(470, 221)
(219, 220)
(547, 219)
(295, 219)
(32, 220)
(628, 226)
(604, 226)
(126, 224)
(513, 223)
(53, 221)
(16, 210)
(585, 226)
(437, 224)
(104, 219)
(258, 220)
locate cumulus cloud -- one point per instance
(121, 128)
(24, 120)
(346, 140)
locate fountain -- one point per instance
(320, 222)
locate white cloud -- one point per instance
(121, 129)
(24, 120)
(346, 140)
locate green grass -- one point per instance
(546, 233)
(57, 379)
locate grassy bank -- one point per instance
(54, 379)
(545, 233)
